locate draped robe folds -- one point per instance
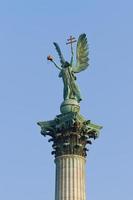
(71, 90)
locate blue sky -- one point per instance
(30, 90)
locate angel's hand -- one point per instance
(50, 58)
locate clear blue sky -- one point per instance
(31, 91)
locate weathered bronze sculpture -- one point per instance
(70, 127)
(69, 131)
(68, 70)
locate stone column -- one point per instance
(70, 133)
(70, 178)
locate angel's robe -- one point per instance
(71, 89)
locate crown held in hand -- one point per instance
(49, 57)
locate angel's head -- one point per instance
(66, 64)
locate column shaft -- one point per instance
(70, 178)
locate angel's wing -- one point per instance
(62, 60)
(81, 54)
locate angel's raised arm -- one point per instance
(51, 59)
(56, 65)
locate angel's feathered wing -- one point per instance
(62, 60)
(81, 54)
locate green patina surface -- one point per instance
(70, 132)
(69, 69)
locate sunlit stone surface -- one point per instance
(70, 178)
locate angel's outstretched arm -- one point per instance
(56, 65)
(51, 59)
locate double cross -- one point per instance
(71, 40)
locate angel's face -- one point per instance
(66, 64)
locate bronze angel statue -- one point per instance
(68, 69)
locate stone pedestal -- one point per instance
(70, 134)
(70, 178)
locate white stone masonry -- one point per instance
(70, 178)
